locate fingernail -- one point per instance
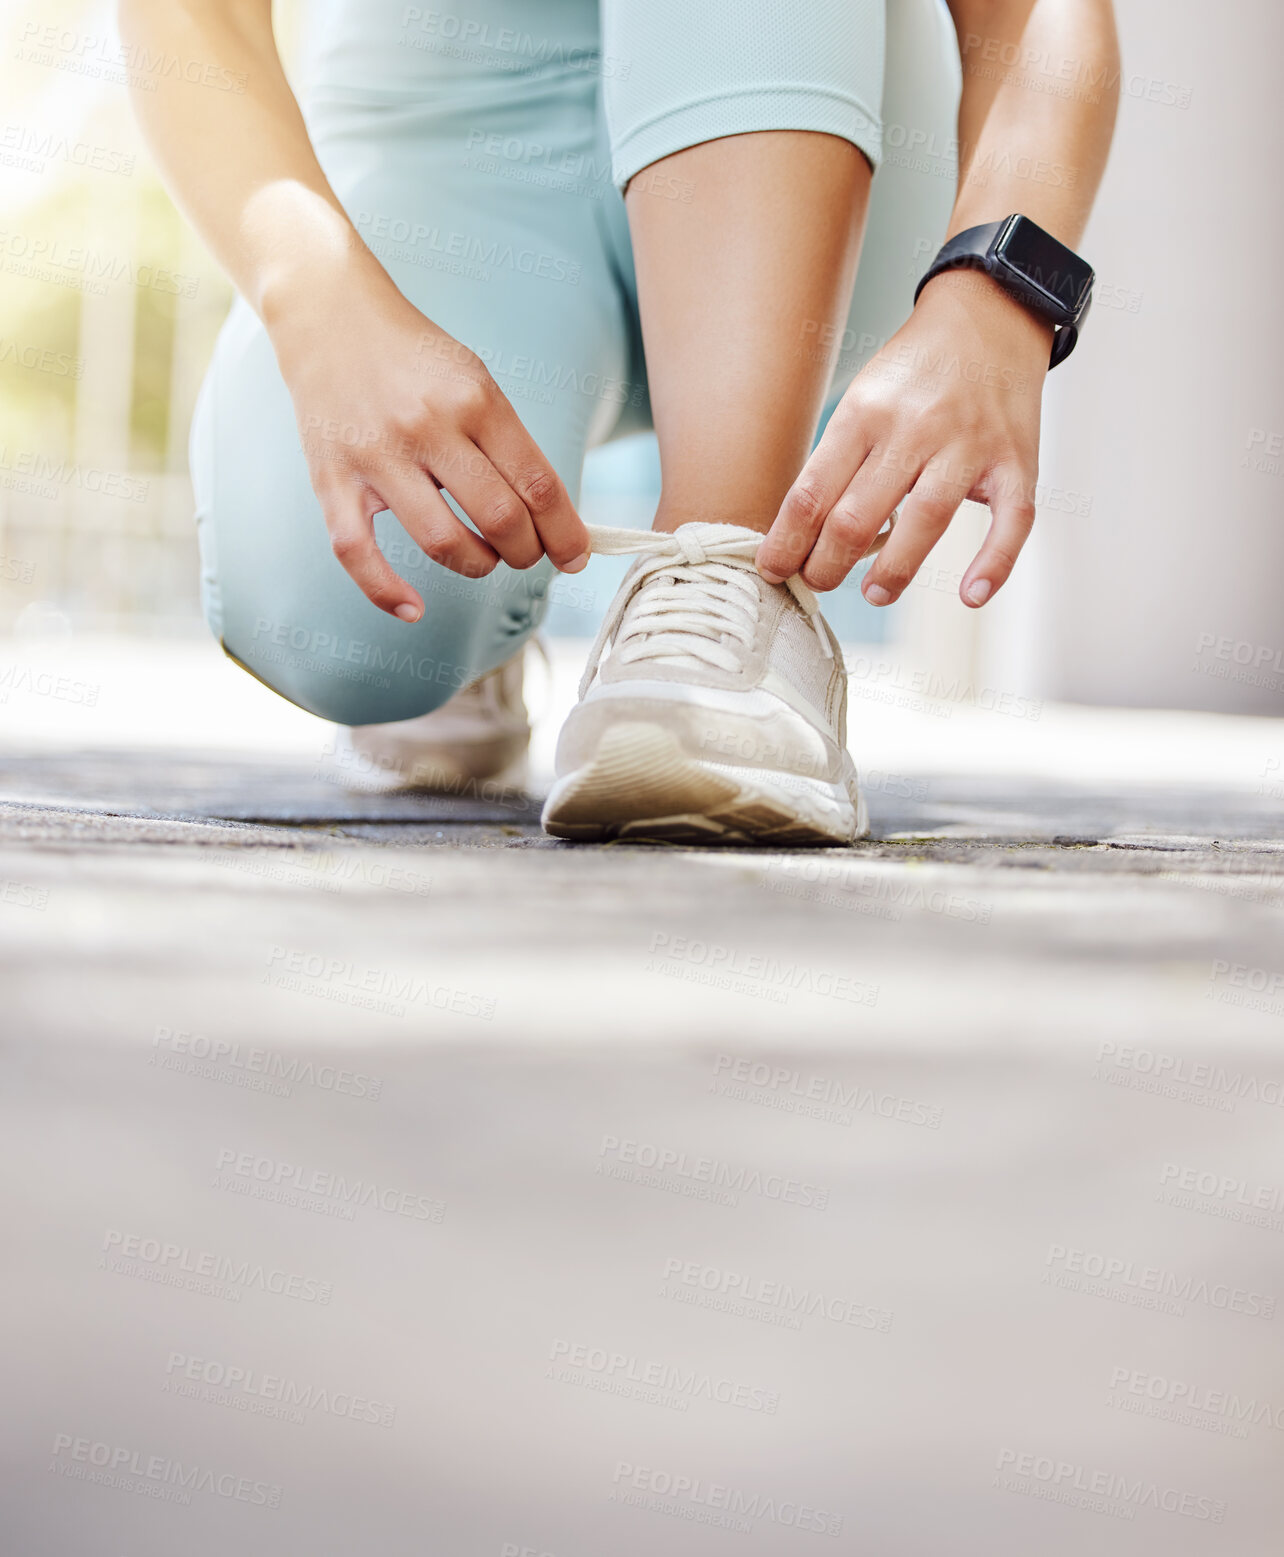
(577, 565)
(772, 578)
(978, 591)
(408, 612)
(877, 595)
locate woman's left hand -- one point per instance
(947, 410)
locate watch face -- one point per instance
(1046, 265)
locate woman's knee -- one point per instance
(334, 654)
(328, 650)
(347, 679)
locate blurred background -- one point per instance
(1154, 575)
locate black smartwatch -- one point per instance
(1029, 264)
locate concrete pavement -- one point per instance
(386, 1177)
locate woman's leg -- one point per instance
(746, 243)
(745, 133)
(715, 707)
(757, 262)
(481, 188)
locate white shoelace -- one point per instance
(699, 603)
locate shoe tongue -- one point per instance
(684, 574)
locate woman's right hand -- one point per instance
(390, 410)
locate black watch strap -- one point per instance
(1063, 343)
(966, 250)
(974, 249)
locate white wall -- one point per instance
(1178, 373)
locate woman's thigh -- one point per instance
(489, 201)
(913, 191)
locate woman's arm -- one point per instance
(242, 166)
(912, 422)
(1040, 89)
(350, 346)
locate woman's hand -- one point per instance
(947, 410)
(390, 410)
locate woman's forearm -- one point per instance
(1040, 91)
(242, 165)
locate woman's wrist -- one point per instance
(300, 295)
(974, 302)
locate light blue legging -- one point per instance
(481, 151)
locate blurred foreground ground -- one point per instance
(385, 1177)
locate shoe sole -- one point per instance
(641, 785)
(393, 766)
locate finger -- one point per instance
(422, 513)
(521, 463)
(349, 516)
(932, 502)
(855, 519)
(823, 480)
(1011, 518)
(489, 501)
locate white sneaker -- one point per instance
(719, 714)
(481, 733)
